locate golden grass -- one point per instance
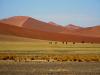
(61, 58)
(44, 45)
(43, 50)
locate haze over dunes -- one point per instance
(24, 26)
(88, 31)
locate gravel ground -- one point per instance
(49, 68)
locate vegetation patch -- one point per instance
(53, 58)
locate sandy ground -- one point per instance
(49, 68)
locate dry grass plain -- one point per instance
(39, 57)
(44, 50)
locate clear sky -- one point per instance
(79, 12)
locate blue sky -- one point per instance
(79, 12)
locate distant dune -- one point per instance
(89, 31)
(52, 23)
(72, 27)
(28, 27)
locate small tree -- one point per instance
(91, 42)
(73, 42)
(66, 42)
(55, 42)
(50, 42)
(63, 42)
(82, 42)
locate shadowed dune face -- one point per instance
(43, 35)
(35, 24)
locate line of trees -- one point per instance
(67, 42)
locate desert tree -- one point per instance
(66, 42)
(56, 42)
(82, 41)
(50, 42)
(73, 42)
(63, 42)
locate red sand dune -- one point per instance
(48, 31)
(16, 20)
(91, 31)
(35, 24)
(52, 23)
(72, 27)
(38, 34)
(88, 31)
(28, 22)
